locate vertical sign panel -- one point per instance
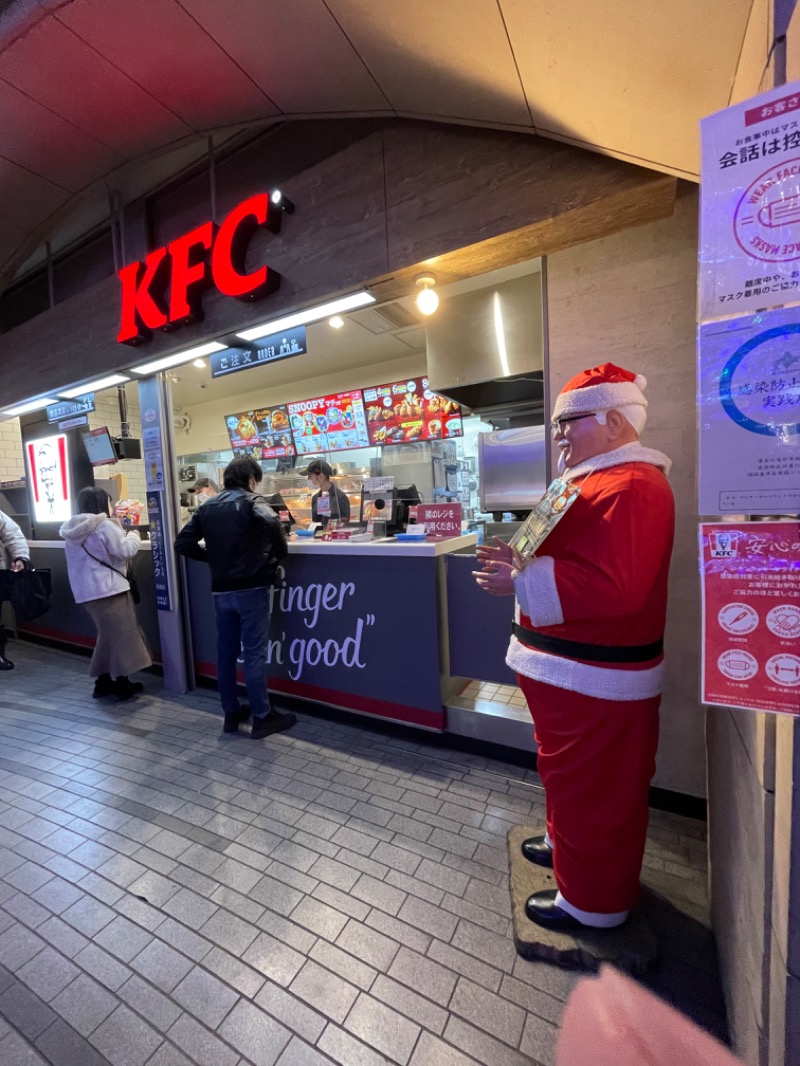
(750, 206)
(751, 615)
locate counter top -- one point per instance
(144, 546)
(387, 546)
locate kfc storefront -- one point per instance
(379, 626)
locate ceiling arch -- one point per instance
(95, 94)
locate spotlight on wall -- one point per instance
(428, 298)
(282, 201)
(336, 322)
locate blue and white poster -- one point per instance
(155, 515)
(749, 410)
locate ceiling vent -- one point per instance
(385, 319)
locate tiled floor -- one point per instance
(169, 895)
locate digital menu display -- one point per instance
(407, 411)
(263, 433)
(329, 423)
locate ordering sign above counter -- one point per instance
(397, 413)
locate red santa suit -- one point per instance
(591, 609)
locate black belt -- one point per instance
(598, 653)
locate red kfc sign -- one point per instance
(208, 255)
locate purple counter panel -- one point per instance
(479, 625)
(355, 632)
(69, 623)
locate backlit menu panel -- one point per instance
(329, 423)
(405, 411)
(263, 433)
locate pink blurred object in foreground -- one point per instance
(612, 1021)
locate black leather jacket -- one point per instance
(244, 540)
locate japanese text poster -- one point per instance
(749, 410)
(751, 615)
(750, 205)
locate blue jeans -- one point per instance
(243, 622)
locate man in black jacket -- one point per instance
(244, 542)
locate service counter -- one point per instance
(359, 626)
(68, 622)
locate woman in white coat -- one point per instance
(14, 555)
(98, 553)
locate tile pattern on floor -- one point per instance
(170, 895)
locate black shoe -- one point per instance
(537, 850)
(124, 689)
(274, 722)
(542, 909)
(235, 719)
(103, 686)
(5, 664)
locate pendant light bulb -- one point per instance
(428, 298)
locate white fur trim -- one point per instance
(536, 590)
(627, 453)
(594, 919)
(602, 682)
(598, 398)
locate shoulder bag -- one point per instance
(129, 575)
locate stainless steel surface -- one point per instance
(486, 348)
(512, 468)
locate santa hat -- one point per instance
(602, 388)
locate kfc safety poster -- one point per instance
(750, 206)
(750, 575)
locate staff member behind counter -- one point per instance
(329, 502)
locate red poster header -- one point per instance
(751, 615)
(208, 255)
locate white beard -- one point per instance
(562, 460)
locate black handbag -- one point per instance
(28, 591)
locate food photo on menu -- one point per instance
(333, 423)
(264, 433)
(406, 411)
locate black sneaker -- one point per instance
(235, 719)
(274, 722)
(5, 664)
(103, 686)
(124, 689)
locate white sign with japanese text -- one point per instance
(749, 410)
(750, 206)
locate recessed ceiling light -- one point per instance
(310, 314)
(336, 322)
(27, 407)
(179, 357)
(199, 363)
(94, 386)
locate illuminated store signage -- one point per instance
(48, 478)
(164, 291)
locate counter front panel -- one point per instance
(358, 632)
(479, 625)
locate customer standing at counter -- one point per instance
(14, 555)
(244, 542)
(328, 502)
(588, 647)
(98, 554)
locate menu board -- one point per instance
(329, 423)
(408, 411)
(264, 433)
